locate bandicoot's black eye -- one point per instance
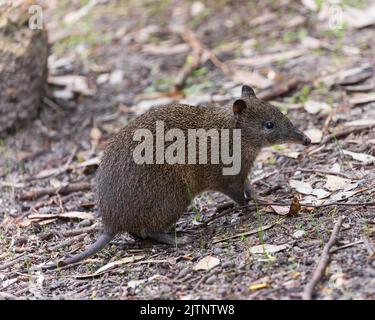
(269, 125)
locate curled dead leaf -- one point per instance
(295, 208)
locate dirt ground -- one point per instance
(129, 54)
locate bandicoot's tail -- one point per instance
(102, 241)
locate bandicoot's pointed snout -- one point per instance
(306, 141)
(299, 137)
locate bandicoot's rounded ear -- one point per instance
(239, 106)
(247, 91)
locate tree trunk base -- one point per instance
(23, 68)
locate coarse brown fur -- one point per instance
(145, 200)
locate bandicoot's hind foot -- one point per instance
(167, 239)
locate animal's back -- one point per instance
(130, 195)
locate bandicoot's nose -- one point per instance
(306, 141)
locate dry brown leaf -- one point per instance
(345, 195)
(301, 187)
(24, 223)
(314, 134)
(321, 193)
(295, 208)
(111, 265)
(281, 210)
(207, 263)
(365, 158)
(335, 183)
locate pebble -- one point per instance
(183, 272)
(242, 265)
(299, 234)
(211, 280)
(85, 223)
(228, 264)
(217, 250)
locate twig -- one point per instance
(201, 280)
(347, 246)
(66, 242)
(323, 262)
(247, 233)
(74, 187)
(200, 50)
(76, 232)
(266, 204)
(13, 262)
(340, 174)
(56, 172)
(279, 89)
(344, 133)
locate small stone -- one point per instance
(85, 223)
(299, 234)
(228, 264)
(183, 272)
(217, 250)
(211, 280)
(242, 266)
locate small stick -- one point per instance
(56, 172)
(347, 246)
(344, 133)
(323, 262)
(66, 242)
(266, 204)
(197, 54)
(279, 89)
(13, 262)
(199, 51)
(247, 233)
(340, 174)
(74, 187)
(77, 232)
